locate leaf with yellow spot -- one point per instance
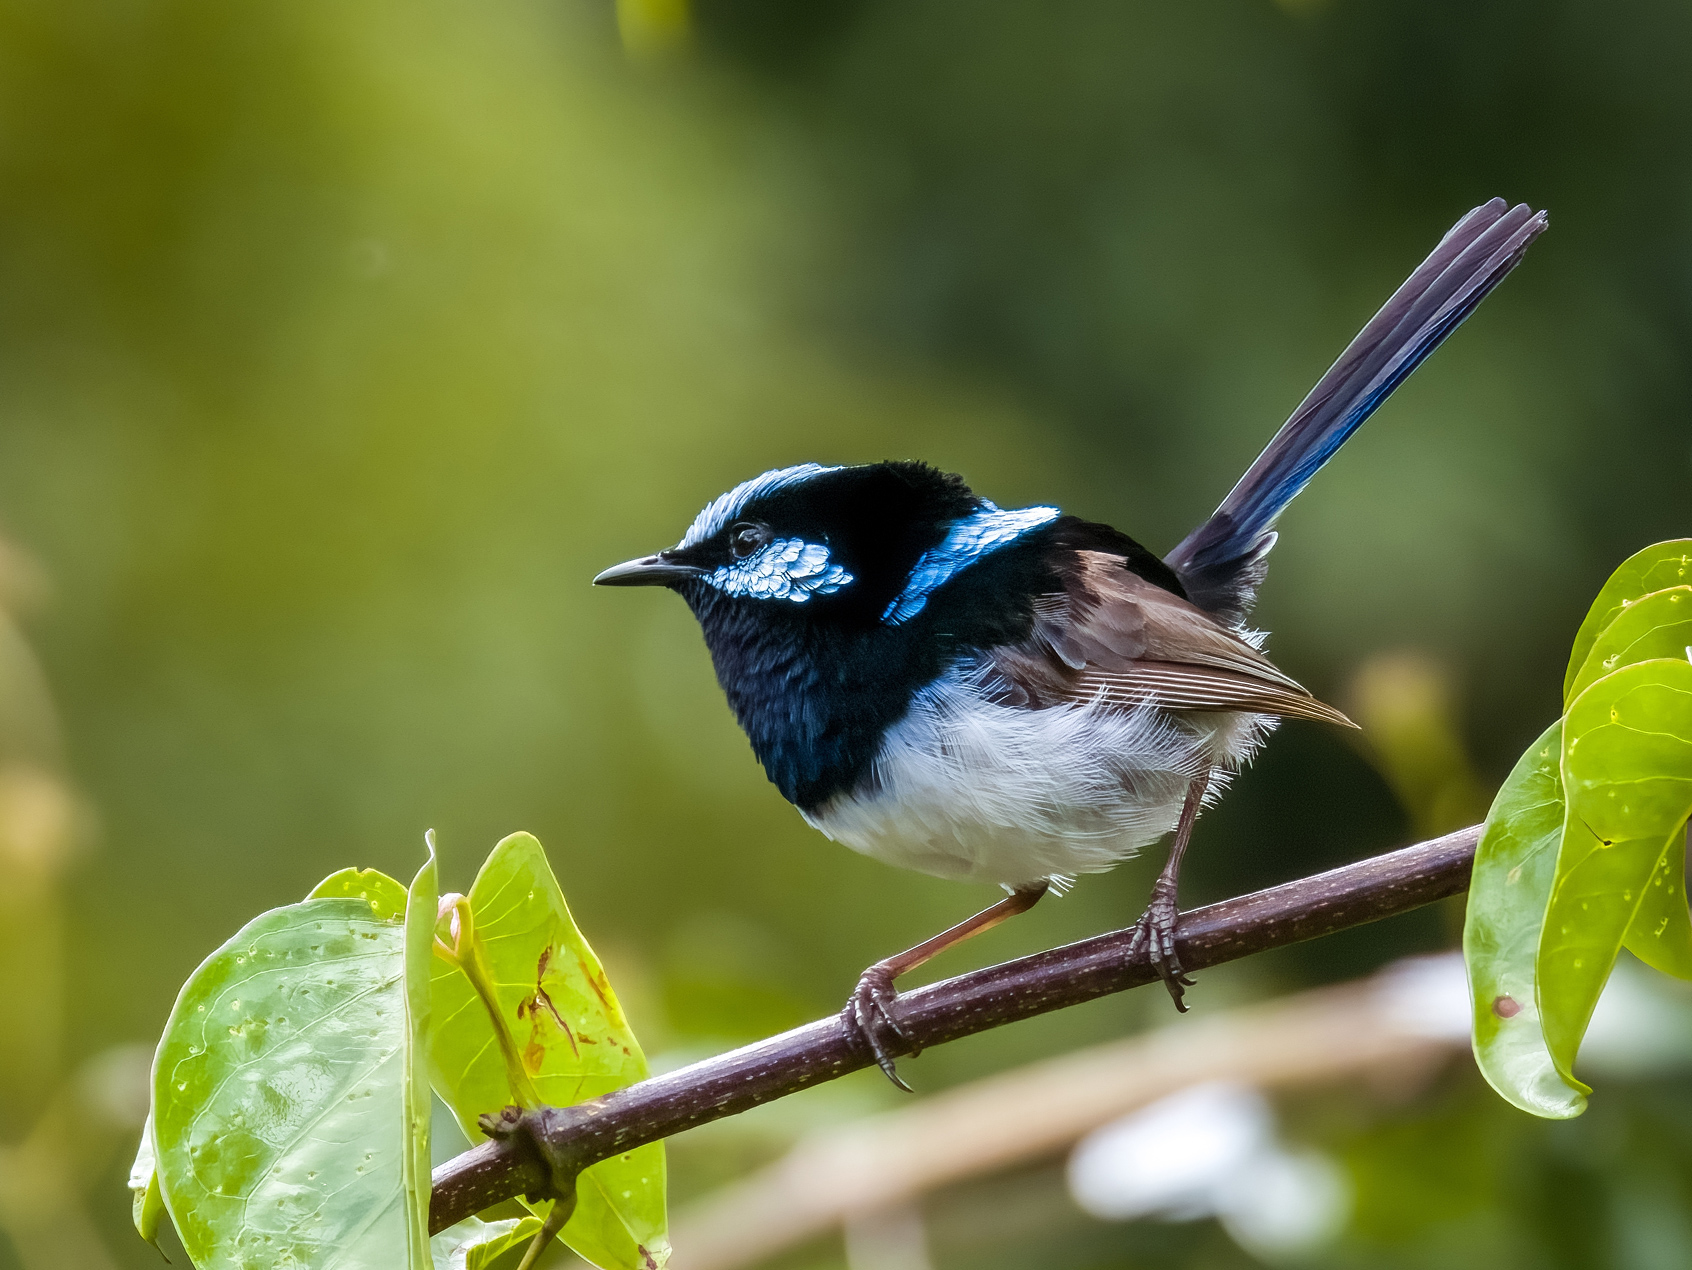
(550, 1030)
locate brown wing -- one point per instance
(1110, 635)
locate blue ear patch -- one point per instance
(786, 569)
(970, 539)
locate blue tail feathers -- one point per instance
(1222, 562)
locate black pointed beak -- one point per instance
(648, 571)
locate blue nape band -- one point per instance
(969, 540)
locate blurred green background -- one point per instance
(341, 344)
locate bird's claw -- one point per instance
(1155, 934)
(869, 1009)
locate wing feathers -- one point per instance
(1177, 687)
(1112, 636)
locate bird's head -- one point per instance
(853, 545)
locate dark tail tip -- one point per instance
(1222, 562)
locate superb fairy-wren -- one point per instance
(1022, 696)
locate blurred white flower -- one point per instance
(117, 1083)
(1427, 996)
(1212, 1151)
(1288, 1202)
(1641, 1026)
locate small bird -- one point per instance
(1021, 696)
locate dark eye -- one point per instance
(746, 538)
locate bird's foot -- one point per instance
(869, 1010)
(1155, 933)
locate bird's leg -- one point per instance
(1155, 930)
(870, 1007)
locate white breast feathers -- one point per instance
(970, 789)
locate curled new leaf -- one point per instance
(560, 1023)
(147, 1201)
(416, 1104)
(1656, 568)
(1627, 784)
(1515, 864)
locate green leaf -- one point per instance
(419, 970)
(473, 1244)
(1660, 934)
(562, 1023)
(1653, 626)
(1656, 568)
(1650, 627)
(385, 896)
(1515, 863)
(148, 1201)
(1627, 782)
(278, 1095)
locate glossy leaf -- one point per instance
(1515, 864)
(279, 1099)
(419, 918)
(559, 1019)
(1627, 783)
(1656, 568)
(473, 1244)
(385, 896)
(1652, 626)
(1660, 934)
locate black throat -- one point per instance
(814, 697)
(816, 686)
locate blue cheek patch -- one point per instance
(786, 569)
(970, 539)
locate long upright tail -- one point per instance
(1222, 562)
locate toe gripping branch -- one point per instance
(871, 1019)
(871, 1014)
(1153, 942)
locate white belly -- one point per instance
(965, 788)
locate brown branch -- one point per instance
(875, 1167)
(543, 1151)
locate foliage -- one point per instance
(291, 1101)
(527, 1016)
(1583, 852)
(474, 1244)
(345, 342)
